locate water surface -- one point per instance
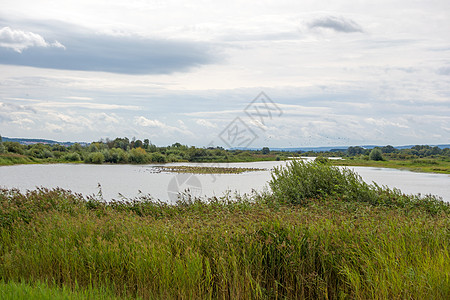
(130, 181)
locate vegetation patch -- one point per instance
(339, 238)
(207, 170)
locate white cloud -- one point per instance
(87, 105)
(181, 124)
(205, 123)
(382, 122)
(19, 40)
(341, 73)
(143, 121)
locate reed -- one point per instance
(329, 246)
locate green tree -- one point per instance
(138, 156)
(2, 148)
(95, 158)
(14, 147)
(265, 150)
(376, 154)
(355, 150)
(388, 149)
(158, 158)
(138, 144)
(72, 157)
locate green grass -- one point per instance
(428, 165)
(206, 170)
(10, 159)
(14, 159)
(44, 291)
(326, 243)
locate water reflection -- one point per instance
(134, 180)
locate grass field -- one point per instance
(321, 234)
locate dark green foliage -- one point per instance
(158, 158)
(138, 156)
(388, 149)
(72, 157)
(355, 150)
(301, 181)
(321, 160)
(122, 150)
(376, 154)
(95, 158)
(14, 147)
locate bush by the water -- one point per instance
(376, 155)
(264, 246)
(301, 181)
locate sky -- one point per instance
(227, 73)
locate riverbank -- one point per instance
(322, 233)
(427, 165)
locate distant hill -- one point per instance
(303, 149)
(336, 148)
(24, 141)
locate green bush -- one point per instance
(14, 147)
(376, 155)
(95, 158)
(138, 156)
(158, 158)
(72, 157)
(322, 160)
(301, 180)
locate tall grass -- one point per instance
(229, 248)
(301, 181)
(45, 291)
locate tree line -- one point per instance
(135, 151)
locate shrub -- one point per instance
(14, 147)
(321, 160)
(301, 180)
(95, 158)
(138, 156)
(72, 157)
(376, 155)
(158, 158)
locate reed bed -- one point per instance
(206, 170)
(325, 246)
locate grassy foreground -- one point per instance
(321, 234)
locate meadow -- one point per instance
(320, 233)
(428, 165)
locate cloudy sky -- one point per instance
(332, 73)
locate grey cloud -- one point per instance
(85, 51)
(338, 24)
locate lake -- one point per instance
(130, 181)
